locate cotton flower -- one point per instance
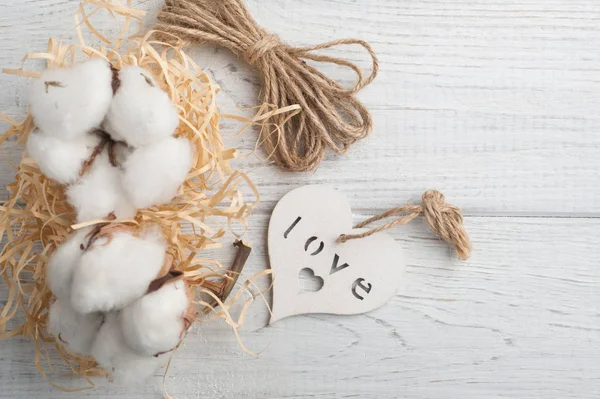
(116, 270)
(62, 263)
(155, 322)
(140, 113)
(76, 331)
(153, 174)
(112, 353)
(67, 102)
(58, 159)
(99, 193)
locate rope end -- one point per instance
(447, 221)
(342, 238)
(464, 253)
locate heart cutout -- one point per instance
(358, 276)
(308, 282)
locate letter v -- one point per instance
(334, 266)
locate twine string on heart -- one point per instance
(331, 115)
(444, 219)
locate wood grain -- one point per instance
(494, 103)
(521, 320)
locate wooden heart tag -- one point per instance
(357, 276)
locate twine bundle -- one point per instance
(331, 115)
(444, 219)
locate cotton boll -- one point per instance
(112, 353)
(116, 271)
(58, 159)
(153, 174)
(73, 329)
(99, 193)
(67, 102)
(62, 263)
(154, 323)
(140, 113)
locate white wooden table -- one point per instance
(494, 103)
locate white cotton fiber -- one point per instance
(154, 323)
(140, 113)
(112, 353)
(73, 329)
(58, 159)
(113, 273)
(62, 262)
(99, 192)
(153, 174)
(67, 102)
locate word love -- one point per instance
(358, 276)
(335, 266)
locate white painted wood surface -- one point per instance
(495, 103)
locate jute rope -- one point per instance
(445, 219)
(331, 115)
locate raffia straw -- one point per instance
(331, 115)
(444, 219)
(36, 219)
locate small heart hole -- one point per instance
(308, 281)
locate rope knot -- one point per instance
(436, 210)
(446, 220)
(261, 47)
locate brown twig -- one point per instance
(236, 268)
(223, 290)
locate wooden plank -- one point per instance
(521, 319)
(492, 103)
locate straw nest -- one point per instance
(36, 219)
